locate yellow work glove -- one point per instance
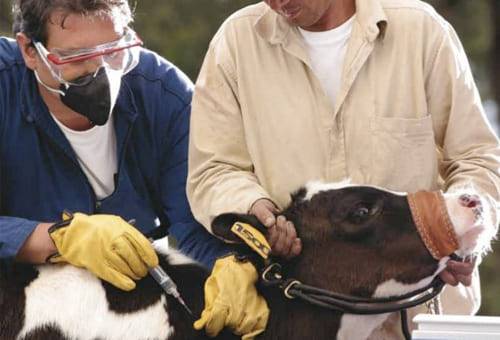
(106, 245)
(232, 301)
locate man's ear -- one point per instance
(27, 49)
(221, 226)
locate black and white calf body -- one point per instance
(357, 240)
(64, 302)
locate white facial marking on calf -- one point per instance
(394, 288)
(360, 327)
(471, 219)
(315, 187)
(75, 301)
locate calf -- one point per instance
(357, 240)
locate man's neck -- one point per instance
(339, 12)
(62, 113)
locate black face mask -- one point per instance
(92, 100)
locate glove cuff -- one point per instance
(59, 225)
(67, 219)
(257, 261)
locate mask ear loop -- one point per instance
(48, 87)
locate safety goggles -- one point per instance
(70, 66)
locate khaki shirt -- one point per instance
(407, 117)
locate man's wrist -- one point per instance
(38, 246)
(259, 200)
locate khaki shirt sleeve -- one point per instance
(220, 175)
(469, 147)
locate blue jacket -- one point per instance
(40, 175)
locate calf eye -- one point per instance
(359, 214)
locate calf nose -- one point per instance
(470, 201)
(473, 202)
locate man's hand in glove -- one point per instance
(232, 301)
(106, 245)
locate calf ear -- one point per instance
(221, 226)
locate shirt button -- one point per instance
(98, 205)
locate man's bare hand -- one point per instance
(458, 272)
(281, 233)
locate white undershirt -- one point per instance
(327, 51)
(95, 150)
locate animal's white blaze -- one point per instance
(75, 301)
(315, 187)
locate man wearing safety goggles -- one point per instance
(90, 73)
(92, 123)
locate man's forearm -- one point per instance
(38, 246)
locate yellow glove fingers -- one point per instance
(216, 320)
(211, 292)
(201, 322)
(246, 325)
(106, 245)
(232, 301)
(116, 262)
(252, 335)
(255, 324)
(118, 280)
(143, 247)
(128, 255)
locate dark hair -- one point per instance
(31, 16)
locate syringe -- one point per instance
(168, 285)
(164, 280)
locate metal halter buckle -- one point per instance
(288, 286)
(271, 275)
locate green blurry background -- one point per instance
(180, 30)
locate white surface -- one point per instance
(460, 327)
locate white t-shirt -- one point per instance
(96, 152)
(327, 51)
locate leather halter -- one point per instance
(271, 276)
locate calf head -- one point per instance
(360, 240)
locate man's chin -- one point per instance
(306, 24)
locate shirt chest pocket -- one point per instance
(403, 153)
